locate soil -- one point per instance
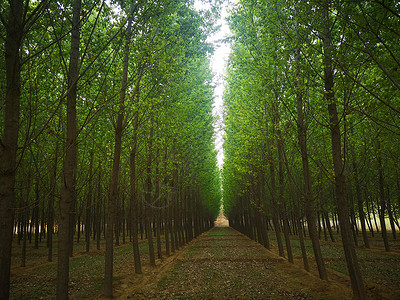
(224, 264)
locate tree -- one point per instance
(18, 23)
(116, 161)
(337, 158)
(68, 195)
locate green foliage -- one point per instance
(262, 73)
(168, 46)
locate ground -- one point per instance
(224, 264)
(220, 264)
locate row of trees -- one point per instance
(106, 126)
(312, 123)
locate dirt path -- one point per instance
(224, 264)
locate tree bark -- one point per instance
(98, 209)
(275, 210)
(109, 256)
(133, 188)
(337, 158)
(360, 202)
(68, 195)
(282, 201)
(158, 212)
(382, 196)
(35, 217)
(263, 212)
(50, 208)
(133, 200)
(148, 191)
(308, 195)
(88, 217)
(9, 140)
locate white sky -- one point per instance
(218, 65)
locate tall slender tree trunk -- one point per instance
(369, 221)
(88, 217)
(134, 203)
(148, 203)
(391, 218)
(42, 223)
(360, 202)
(133, 190)
(68, 195)
(275, 210)
(9, 140)
(50, 208)
(337, 157)
(281, 181)
(263, 211)
(123, 217)
(24, 236)
(175, 208)
(308, 195)
(166, 207)
(117, 216)
(25, 219)
(98, 209)
(108, 272)
(374, 215)
(382, 196)
(35, 214)
(171, 227)
(158, 212)
(328, 225)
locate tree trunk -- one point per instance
(133, 200)
(50, 208)
(263, 212)
(158, 212)
(108, 271)
(301, 239)
(374, 215)
(25, 219)
(337, 158)
(308, 196)
(360, 203)
(166, 208)
(42, 233)
(68, 195)
(328, 225)
(353, 220)
(36, 214)
(117, 218)
(9, 141)
(281, 191)
(148, 198)
(24, 236)
(98, 209)
(123, 225)
(173, 208)
(382, 196)
(391, 219)
(88, 218)
(275, 210)
(133, 189)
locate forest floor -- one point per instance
(220, 264)
(224, 264)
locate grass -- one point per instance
(377, 266)
(219, 247)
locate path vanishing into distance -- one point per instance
(225, 264)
